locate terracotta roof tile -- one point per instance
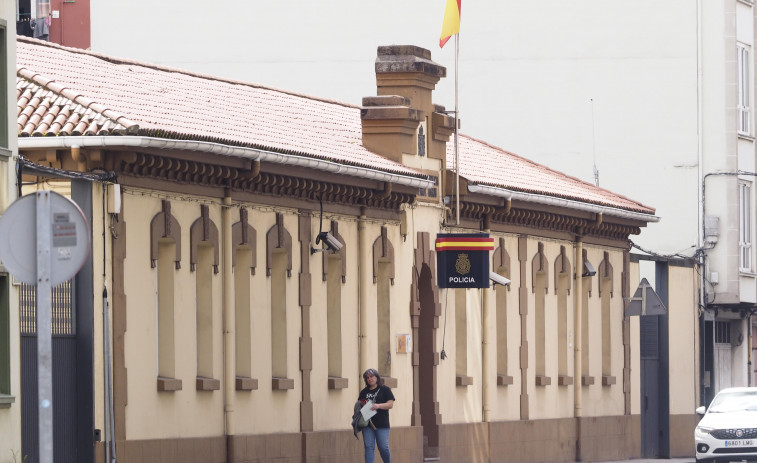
(43, 112)
(156, 101)
(94, 94)
(482, 163)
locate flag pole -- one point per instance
(457, 157)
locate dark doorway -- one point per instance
(64, 374)
(655, 395)
(72, 345)
(428, 359)
(650, 399)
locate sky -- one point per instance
(582, 86)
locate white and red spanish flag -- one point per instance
(451, 23)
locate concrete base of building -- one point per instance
(534, 441)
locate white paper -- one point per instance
(366, 410)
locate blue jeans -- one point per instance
(369, 441)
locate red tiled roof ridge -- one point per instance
(158, 67)
(542, 166)
(65, 92)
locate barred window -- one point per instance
(62, 314)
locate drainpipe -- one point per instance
(229, 371)
(577, 321)
(485, 354)
(701, 257)
(750, 373)
(363, 285)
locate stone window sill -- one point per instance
(166, 384)
(564, 380)
(336, 382)
(282, 384)
(543, 380)
(244, 383)
(6, 400)
(462, 380)
(504, 380)
(207, 384)
(608, 380)
(388, 381)
(587, 380)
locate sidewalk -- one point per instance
(652, 460)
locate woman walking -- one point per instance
(378, 429)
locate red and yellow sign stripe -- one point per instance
(464, 244)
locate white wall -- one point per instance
(10, 418)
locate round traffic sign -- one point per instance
(69, 236)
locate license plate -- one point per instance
(739, 443)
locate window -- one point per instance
(606, 327)
(462, 296)
(279, 314)
(4, 86)
(744, 111)
(165, 308)
(539, 287)
(540, 341)
(334, 315)
(204, 312)
(586, 378)
(5, 354)
(279, 269)
(242, 307)
(605, 277)
(501, 298)
(384, 315)
(563, 288)
(430, 192)
(745, 227)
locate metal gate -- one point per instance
(72, 327)
(650, 405)
(723, 355)
(64, 374)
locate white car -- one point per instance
(728, 429)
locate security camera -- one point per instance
(498, 279)
(331, 242)
(589, 270)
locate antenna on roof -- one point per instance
(594, 145)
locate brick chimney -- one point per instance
(402, 123)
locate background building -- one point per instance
(10, 413)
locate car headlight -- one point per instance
(702, 431)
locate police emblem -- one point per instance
(462, 265)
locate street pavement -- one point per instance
(653, 460)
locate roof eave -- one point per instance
(224, 150)
(562, 202)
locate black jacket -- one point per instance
(355, 418)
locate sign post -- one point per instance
(45, 258)
(44, 333)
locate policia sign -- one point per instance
(463, 260)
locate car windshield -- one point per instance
(734, 402)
